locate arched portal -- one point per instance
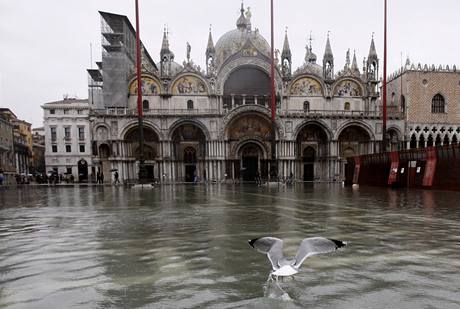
(246, 85)
(251, 155)
(104, 163)
(308, 159)
(82, 170)
(257, 129)
(151, 145)
(312, 152)
(189, 152)
(355, 138)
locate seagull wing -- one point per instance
(315, 245)
(271, 246)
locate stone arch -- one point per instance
(343, 89)
(296, 86)
(188, 121)
(151, 85)
(134, 123)
(394, 138)
(101, 132)
(235, 64)
(151, 143)
(362, 125)
(189, 84)
(251, 109)
(318, 123)
(245, 142)
(355, 137)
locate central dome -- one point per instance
(233, 41)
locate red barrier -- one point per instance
(392, 178)
(430, 167)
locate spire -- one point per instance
(210, 50)
(165, 51)
(241, 23)
(354, 65)
(347, 59)
(328, 61)
(286, 53)
(310, 56)
(372, 52)
(328, 56)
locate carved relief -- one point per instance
(149, 86)
(189, 85)
(102, 134)
(347, 88)
(307, 87)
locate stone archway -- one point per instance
(151, 149)
(251, 156)
(189, 152)
(312, 146)
(246, 132)
(356, 138)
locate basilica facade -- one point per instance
(213, 122)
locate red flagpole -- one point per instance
(384, 126)
(139, 96)
(273, 96)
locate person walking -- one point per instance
(98, 177)
(117, 180)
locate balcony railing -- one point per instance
(154, 112)
(338, 113)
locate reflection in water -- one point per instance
(186, 246)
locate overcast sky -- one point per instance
(45, 45)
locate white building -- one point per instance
(67, 138)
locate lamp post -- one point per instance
(142, 174)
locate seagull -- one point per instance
(283, 267)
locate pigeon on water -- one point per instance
(283, 267)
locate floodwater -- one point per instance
(186, 247)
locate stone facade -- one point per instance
(214, 123)
(67, 139)
(7, 168)
(429, 101)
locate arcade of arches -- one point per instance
(245, 152)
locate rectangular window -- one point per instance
(54, 148)
(82, 147)
(79, 112)
(66, 112)
(68, 148)
(81, 133)
(69, 171)
(53, 134)
(52, 111)
(67, 133)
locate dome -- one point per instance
(175, 68)
(310, 68)
(233, 41)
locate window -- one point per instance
(145, 105)
(53, 134)
(438, 104)
(347, 106)
(67, 133)
(68, 171)
(68, 148)
(403, 104)
(306, 106)
(189, 104)
(54, 148)
(81, 133)
(52, 111)
(82, 147)
(66, 112)
(79, 112)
